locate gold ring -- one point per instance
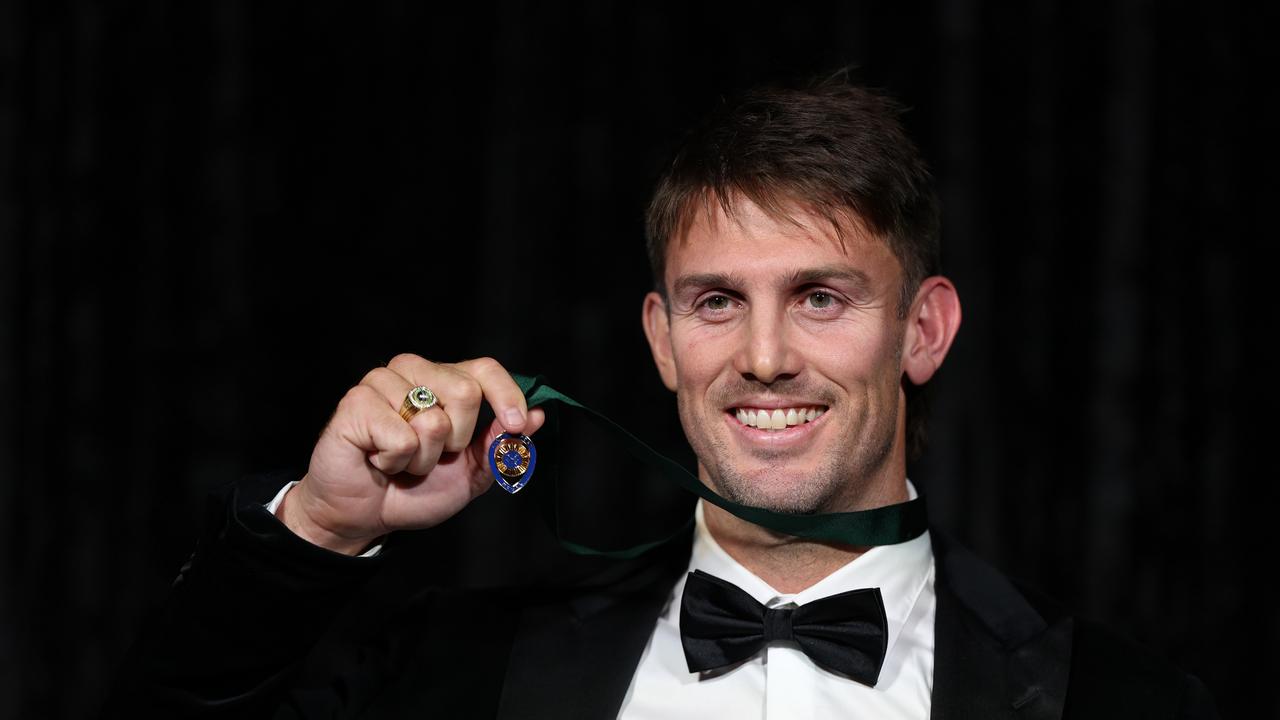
(417, 400)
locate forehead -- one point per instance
(749, 241)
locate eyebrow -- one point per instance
(804, 276)
(827, 273)
(685, 283)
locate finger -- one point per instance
(500, 391)
(537, 418)
(432, 426)
(458, 394)
(377, 430)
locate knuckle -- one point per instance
(372, 376)
(435, 425)
(404, 360)
(469, 392)
(486, 365)
(357, 396)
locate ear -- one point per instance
(657, 328)
(931, 326)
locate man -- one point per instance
(794, 246)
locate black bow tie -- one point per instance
(720, 625)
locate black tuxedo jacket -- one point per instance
(262, 624)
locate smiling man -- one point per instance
(787, 340)
(794, 245)
(797, 307)
(785, 346)
(785, 343)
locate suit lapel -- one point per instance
(995, 656)
(581, 651)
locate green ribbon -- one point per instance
(886, 525)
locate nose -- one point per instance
(766, 354)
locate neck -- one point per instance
(787, 563)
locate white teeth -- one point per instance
(779, 419)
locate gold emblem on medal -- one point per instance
(511, 458)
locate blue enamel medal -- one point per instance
(511, 458)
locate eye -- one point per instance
(717, 307)
(821, 300)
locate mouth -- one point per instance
(776, 419)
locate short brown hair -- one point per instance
(836, 149)
(833, 148)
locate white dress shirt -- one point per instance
(781, 682)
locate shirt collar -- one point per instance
(901, 572)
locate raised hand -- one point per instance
(372, 472)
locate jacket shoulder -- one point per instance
(1089, 670)
(1111, 671)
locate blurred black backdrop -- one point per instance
(216, 216)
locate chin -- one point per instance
(780, 490)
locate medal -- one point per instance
(511, 458)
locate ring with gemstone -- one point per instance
(417, 400)
(512, 459)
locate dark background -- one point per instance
(216, 216)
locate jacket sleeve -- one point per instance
(243, 613)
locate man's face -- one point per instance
(784, 347)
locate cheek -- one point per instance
(697, 358)
(869, 360)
